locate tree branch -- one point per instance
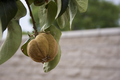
(34, 26)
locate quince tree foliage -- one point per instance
(63, 11)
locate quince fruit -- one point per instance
(43, 48)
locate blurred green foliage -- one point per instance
(100, 14)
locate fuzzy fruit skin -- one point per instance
(43, 48)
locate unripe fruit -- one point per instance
(43, 48)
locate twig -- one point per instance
(34, 26)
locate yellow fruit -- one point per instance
(43, 48)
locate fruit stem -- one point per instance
(34, 26)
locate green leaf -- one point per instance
(39, 2)
(56, 33)
(12, 42)
(64, 19)
(82, 5)
(59, 6)
(21, 10)
(35, 10)
(47, 16)
(8, 10)
(30, 1)
(0, 29)
(42, 15)
(72, 11)
(24, 46)
(64, 5)
(48, 66)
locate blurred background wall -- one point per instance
(86, 55)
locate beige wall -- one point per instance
(86, 55)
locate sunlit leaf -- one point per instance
(8, 10)
(35, 10)
(21, 10)
(30, 1)
(12, 42)
(42, 15)
(48, 66)
(64, 5)
(72, 11)
(39, 2)
(82, 5)
(59, 5)
(0, 30)
(47, 16)
(24, 46)
(56, 33)
(64, 19)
